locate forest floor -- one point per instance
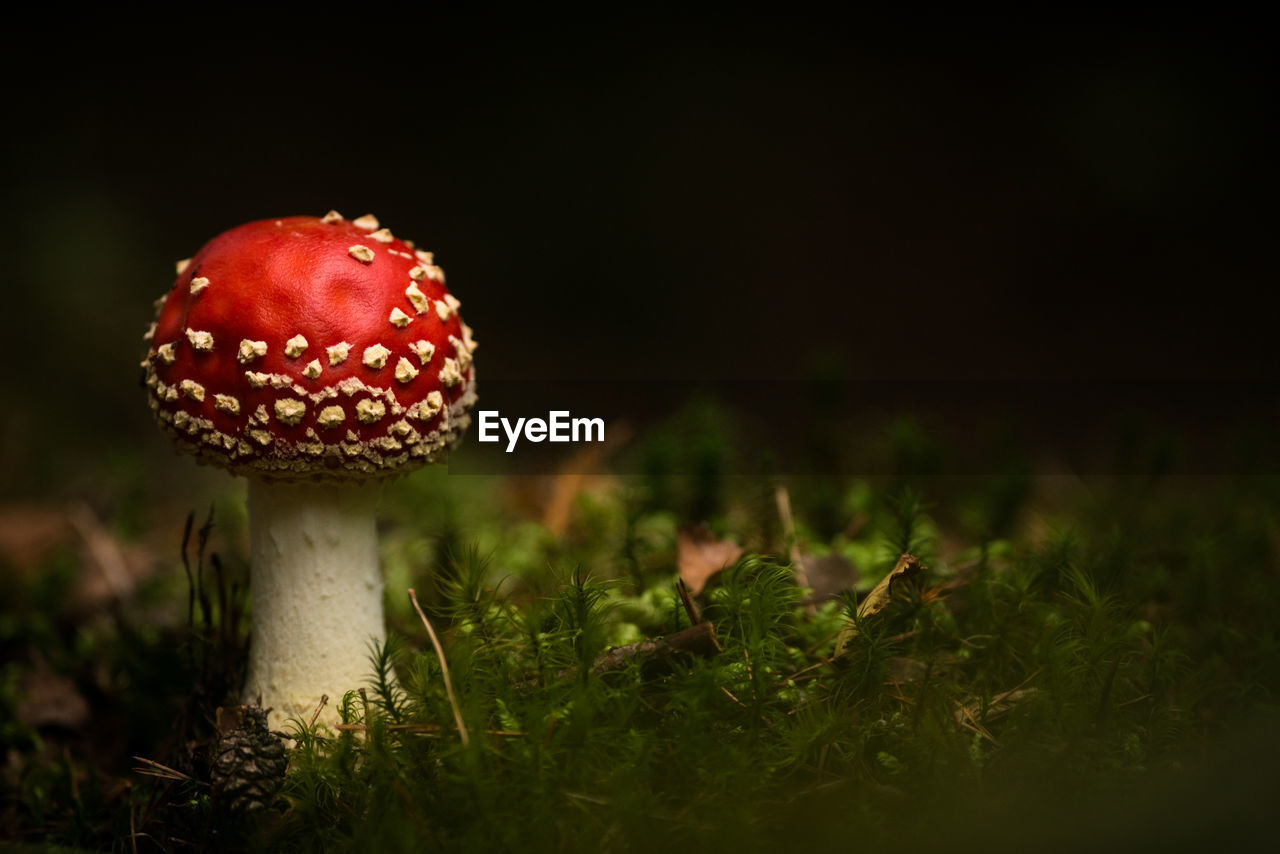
(909, 661)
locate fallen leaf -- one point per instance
(573, 478)
(49, 699)
(699, 556)
(559, 507)
(882, 594)
(828, 576)
(879, 597)
(114, 576)
(31, 534)
(110, 570)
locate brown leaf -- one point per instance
(51, 700)
(699, 556)
(828, 576)
(31, 534)
(879, 597)
(114, 578)
(882, 594)
(562, 492)
(574, 478)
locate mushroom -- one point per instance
(317, 357)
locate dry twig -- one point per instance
(324, 698)
(444, 669)
(425, 729)
(782, 498)
(699, 639)
(164, 772)
(690, 607)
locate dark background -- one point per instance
(654, 196)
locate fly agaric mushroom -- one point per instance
(317, 357)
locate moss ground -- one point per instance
(1081, 662)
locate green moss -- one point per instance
(1030, 664)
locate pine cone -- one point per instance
(248, 762)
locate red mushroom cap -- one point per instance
(310, 347)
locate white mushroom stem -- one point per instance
(317, 595)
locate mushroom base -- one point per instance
(317, 595)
